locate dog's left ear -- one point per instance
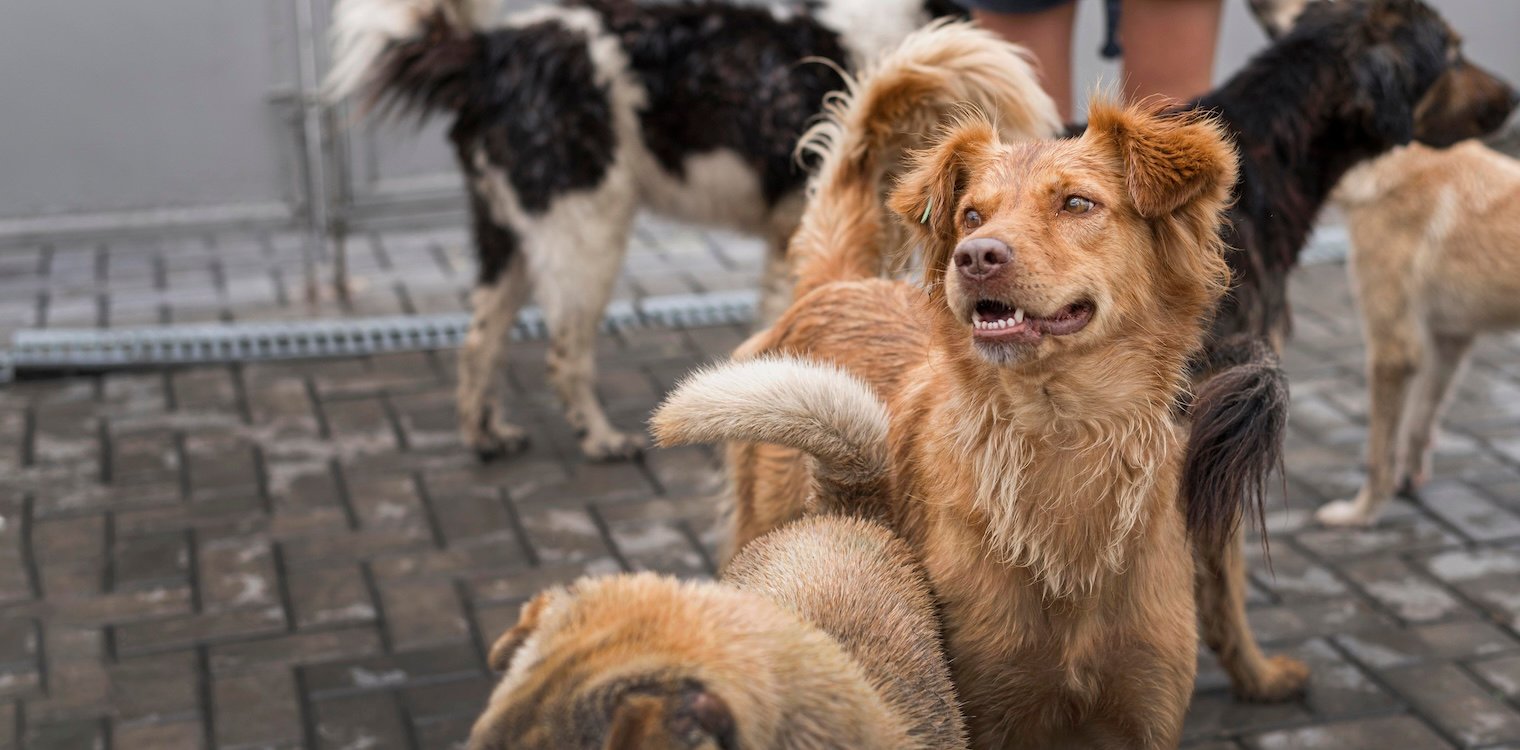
(1169, 160)
(927, 197)
(527, 622)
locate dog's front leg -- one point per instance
(575, 258)
(1445, 356)
(1222, 609)
(494, 304)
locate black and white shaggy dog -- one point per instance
(569, 118)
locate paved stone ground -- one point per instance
(257, 276)
(300, 555)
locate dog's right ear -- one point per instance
(1170, 161)
(927, 196)
(528, 621)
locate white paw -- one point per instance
(613, 446)
(1342, 513)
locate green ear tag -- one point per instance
(927, 209)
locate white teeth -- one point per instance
(1018, 315)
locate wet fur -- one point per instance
(1350, 80)
(1068, 606)
(1237, 418)
(1302, 116)
(1068, 611)
(864, 143)
(822, 634)
(568, 118)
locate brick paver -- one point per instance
(242, 276)
(300, 554)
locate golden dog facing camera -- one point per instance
(1014, 417)
(823, 636)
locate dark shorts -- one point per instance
(1011, 6)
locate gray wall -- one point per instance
(137, 113)
(123, 106)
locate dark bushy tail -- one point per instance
(414, 55)
(1238, 414)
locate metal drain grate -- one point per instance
(53, 350)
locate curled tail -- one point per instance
(410, 54)
(816, 408)
(1238, 415)
(897, 105)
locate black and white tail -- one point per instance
(416, 55)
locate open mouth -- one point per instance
(992, 320)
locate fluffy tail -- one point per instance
(898, 104)
(411, 54)
(1238, 416)
(815, 408)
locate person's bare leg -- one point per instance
(1169, 47)
(1047, 35)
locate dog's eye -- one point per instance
(972, 218)
(1076, 204)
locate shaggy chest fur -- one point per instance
(1059, 558)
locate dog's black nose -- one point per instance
(982, 257)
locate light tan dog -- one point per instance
(824, 636)
(1435, 262)
(1029, 451)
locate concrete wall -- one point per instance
(131, 112)
(120, 106)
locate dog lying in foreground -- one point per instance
(1435, 262)
(823, 635)
(1013, 418)
(568, 118)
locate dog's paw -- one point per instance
(497, 440)
(613, 446)
(1284, 678)
(1342, 513)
